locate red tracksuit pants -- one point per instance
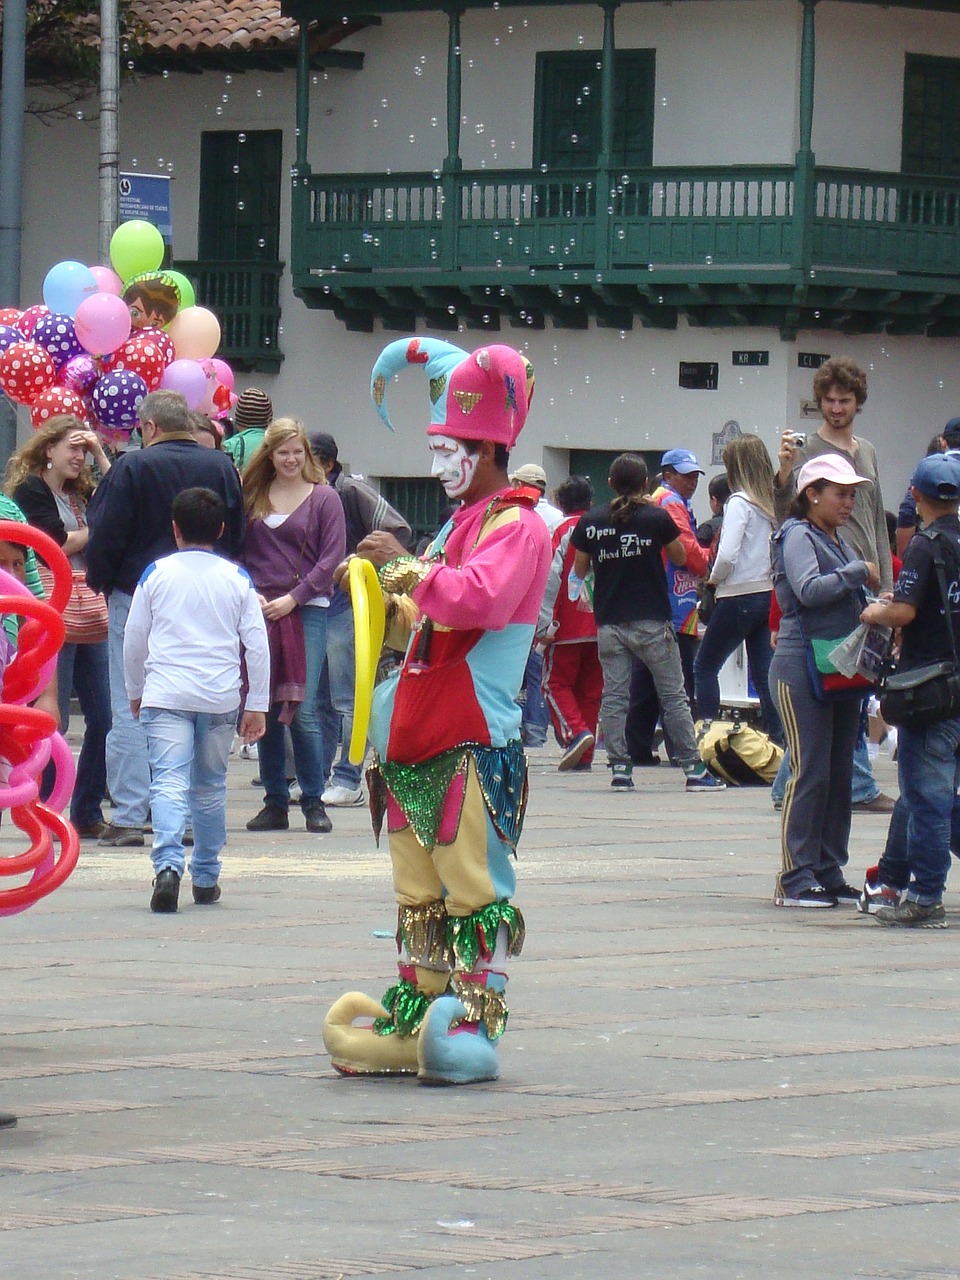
(572, 684)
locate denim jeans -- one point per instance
(535, 717)
(655, 643)
(305, 728)
(336, 695)
(128, 769)
(736, 620)
(188, 767)
(84, 670)
(928, 763)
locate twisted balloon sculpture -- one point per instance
(28, 737)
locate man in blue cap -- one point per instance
(681, 475)
(926, 821)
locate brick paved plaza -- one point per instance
(694, 1084)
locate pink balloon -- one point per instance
(195, 332)
(102, 323)
(224, 372)
(107, 280)
(187, 377)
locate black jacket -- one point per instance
(129, 514)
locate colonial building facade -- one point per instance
(675, 209)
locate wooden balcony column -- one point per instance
(605, 158)
(452, 165)
(303, 98)
(804, 192)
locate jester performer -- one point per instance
(449, 774)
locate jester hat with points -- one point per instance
(478, 396)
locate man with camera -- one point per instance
(840, 390)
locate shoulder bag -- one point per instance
(926, 695)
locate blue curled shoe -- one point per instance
(454, 1057)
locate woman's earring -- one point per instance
(815, 501)
(49, 465)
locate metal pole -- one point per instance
(109, 126)
(11, 183)
(303, 97)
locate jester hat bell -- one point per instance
(483, 395)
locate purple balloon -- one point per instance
(79, 374)
(56, 334)
(8, 336)
(116, 398)
(187, 377)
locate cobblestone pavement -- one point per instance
(694, 1084)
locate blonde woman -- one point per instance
(741, 574)
(295, 539)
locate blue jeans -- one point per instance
(535, 718)
(305, 730)
(336, 695)
(84, 670)
(928, 764)
(128, 769)
(188, 767)
(736, 620)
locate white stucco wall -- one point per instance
(596, 389)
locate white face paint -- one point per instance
(452, 465)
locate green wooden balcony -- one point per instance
(748, 245)
(245, 297)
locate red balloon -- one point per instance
(147, 353)
(25, 370)
(55, 401)
(10, 315)
(31, 317)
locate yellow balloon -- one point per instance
(369, 620)
(195, 332)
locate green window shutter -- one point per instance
(567, 108)
(240, 196)
(421, 501)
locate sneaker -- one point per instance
(879, 804)
(340, 797)
(845, 894)
(121, 837)
(166, 891)
(316, 815)
(269, 819)
(577, 749)
(248, 751)
(188, 837)
(205, 894)
(777, 805)
(622, 777)
(876, 895)
(913, 915)
(805, 898)
(701, 779)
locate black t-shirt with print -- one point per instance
(926, 638)
(630, 580)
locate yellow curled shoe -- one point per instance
(360, 1051)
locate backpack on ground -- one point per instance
(738, 754)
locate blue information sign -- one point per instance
(147, 196)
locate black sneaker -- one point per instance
(269, 819)
(206, 894)
(845, 894)
(622, 779)
(913, 916)
(166, 891)
(805, 898)
(316, 815)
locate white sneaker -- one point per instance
(248, 751)
(342, 797)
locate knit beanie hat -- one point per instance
(254, 408)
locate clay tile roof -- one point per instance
(200, 26)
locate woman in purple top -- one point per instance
(294, 541)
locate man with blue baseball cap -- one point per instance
(681, 475)
(926, 821)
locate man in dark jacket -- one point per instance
(130, 527)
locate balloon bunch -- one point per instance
(28, 737)
(104, 337)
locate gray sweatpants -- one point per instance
(655, 643)
(815, 819)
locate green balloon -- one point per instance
(188, 297)
(135, 247)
